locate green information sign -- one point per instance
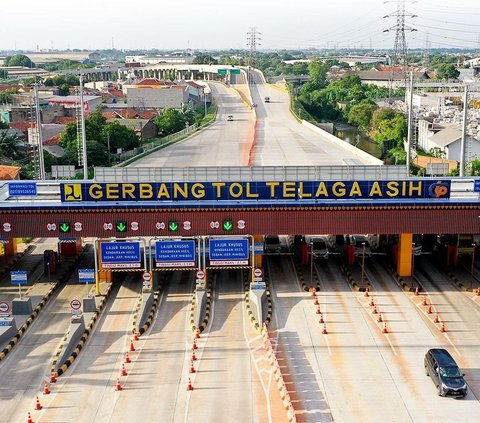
(222, 71)
(234, 71)
(65, 227)
(121, 226)
(227, 225)
(173, 226)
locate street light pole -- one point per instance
(311, 266)
(363, 265)
(413, 263)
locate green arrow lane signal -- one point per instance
(227, 225)
(173, 226)
(65, 227)
(121, 226)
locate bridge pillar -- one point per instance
(10, 248)
(405, 251)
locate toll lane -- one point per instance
(160, 366)
(86, 393)
(411, 332)
(224, 143)
(461, 316)
(227, 377)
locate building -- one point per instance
(40, 57)
(90, 102)
(155, 60)
(447, 137)
(144, 128)
(153, 93)
(381, 78)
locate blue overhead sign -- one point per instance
(20, 189)
(120, 254)
(175, 253)
(168, 192)
(86, 275)
(228, 252)
(18, 277)
(476, 185)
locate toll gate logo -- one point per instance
(73, 192)
(439, 190)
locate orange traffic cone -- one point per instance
(313, 292)
(416, 290)
(38, 406)
(46, 389)
(478, 291)
(118, 387)
(380, 320)
(429, 311)
(443, 327)
(127, 358)
(194, 357)
(366, 292)
(135, 336)
(436, 319)
(132, 347)
(53, 377)
(124, 371)
(194, 347)
(192, 369)
(318, 310)
(375, 311)
(316, 301)
(385, 330)
(189, 386)
(197, 334)
(321, 319)
(29, 418)
(324, 330)
(372, 303)
(425, 300)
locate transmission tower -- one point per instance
(399, 57)
(253, 41)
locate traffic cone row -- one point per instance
(416, 290)
(46, 389)
(38, 405)
(478, 291)
(366, 291)
(425, 300)
(29, 418)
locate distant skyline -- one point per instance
(207, 24)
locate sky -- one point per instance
(208, 24)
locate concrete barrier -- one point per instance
(77, 327)
(371, 160)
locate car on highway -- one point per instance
(230, 118)
(267, 99)
(362, 246)
(445, 374)
(318, 245)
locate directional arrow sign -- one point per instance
(121, 227)
(65, 227)
(227, 225)
(173, 226)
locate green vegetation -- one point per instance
(63, 82)
(11, 147)
(100, 134)
(66, 65)
(446, 71)
(19, 60)
(6, 96)
(174, 120)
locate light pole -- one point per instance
(413, 263)
(363, 265)
(472, 270)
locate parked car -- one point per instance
(445, 374)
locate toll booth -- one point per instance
(49, 261)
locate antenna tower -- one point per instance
(399, 58)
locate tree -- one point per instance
(3, 125)
(437, 152)
(3, 74)
(6, 96)
(11, 147)
(202, 59)
(19, 60)
(119, 136)
(361, 115)
(446, 71)
(170, 121)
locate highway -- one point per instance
(224, 143)
(282, 140)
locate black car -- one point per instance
(446, 375)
